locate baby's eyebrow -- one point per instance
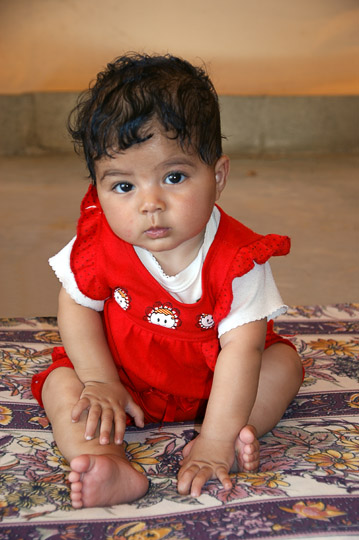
(178, 161)
(114, 173)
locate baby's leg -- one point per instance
(101, 475)
(280, 379)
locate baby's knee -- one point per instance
(296, 365)
(283, 364)
(62, 388)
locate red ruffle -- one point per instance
(85, 252)
(260, 251)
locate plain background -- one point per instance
(254, 47)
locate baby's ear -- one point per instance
(221, 170)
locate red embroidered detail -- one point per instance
(122, 298)
(163, 315)
(205, 321)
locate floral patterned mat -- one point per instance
(307, 486)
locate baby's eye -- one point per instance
(175, 178)
(123, 187)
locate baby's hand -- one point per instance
(107, 404)
(207, 459)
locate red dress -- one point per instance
(165, 350)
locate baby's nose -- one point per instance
(152, 203)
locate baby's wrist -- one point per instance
(94, 382)
(214, 436)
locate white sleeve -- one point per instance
(255, 297)
(60, 264)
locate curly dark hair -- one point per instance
(137, 89)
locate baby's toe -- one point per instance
(76, 487)
(251, 466)
(76, 503)
(251, 451)
(74, 477)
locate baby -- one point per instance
(167, 303)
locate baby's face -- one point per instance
(158, 197)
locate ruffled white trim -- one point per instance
(60, 264)
(255, 297)
(222, 329)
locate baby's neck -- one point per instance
(175, 260)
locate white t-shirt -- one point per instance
(255, 295)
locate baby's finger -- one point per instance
(203, 475)
(93, 418)
(224, 478)
(106, 425)
(81, 406)
(137, 413)
(185, 478)
(120, 425)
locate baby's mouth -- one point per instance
(157, 232)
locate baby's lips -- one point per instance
(157, 232)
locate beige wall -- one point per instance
(255, 47)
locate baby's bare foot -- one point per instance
(247, 449)
(104, 480)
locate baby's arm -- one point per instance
(232, 397)
(103, 395)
